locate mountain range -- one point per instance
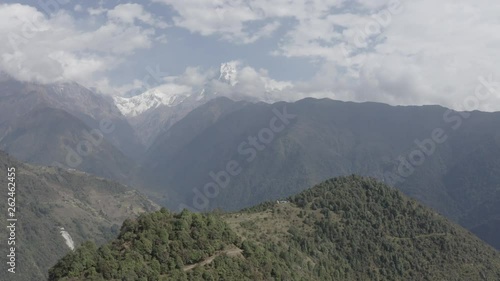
(445, 159)
(156, 110)
(203, 151)
(95, 110)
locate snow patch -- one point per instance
(173, 94)
(67, 238)
(229, 72)
(169, 95)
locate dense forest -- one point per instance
(163, 245)
(348, 228)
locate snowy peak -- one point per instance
(229, 72)
(151, 99)
(174, 94)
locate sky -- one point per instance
(397, 52)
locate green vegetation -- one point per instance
(348, 228)
(47, 199)
(459, 178)
(166, 246)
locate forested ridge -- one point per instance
(347, 228)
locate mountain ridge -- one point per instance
(341, 229)
(334, 138)
(19, 98)
(56, 208)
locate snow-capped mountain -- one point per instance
(173, 95)
(156, 110)
(150, 99)
(21, 100)
(229, 72)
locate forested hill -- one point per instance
(347, 228)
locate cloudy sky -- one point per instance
(398, 52)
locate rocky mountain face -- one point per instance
(156, 110)
(97, 111)
(153, 121)
(54, 137)
(66, 125)
(149, 100)
(173, 96)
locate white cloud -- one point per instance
(243, 82)
(104, 85)
(53, 48)
(229, 19)
(266, 31)
(432, 53)
(195, 76)
(400, 52)
(247, 81)
(129, 13)
(96, 11)
(174, 89)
